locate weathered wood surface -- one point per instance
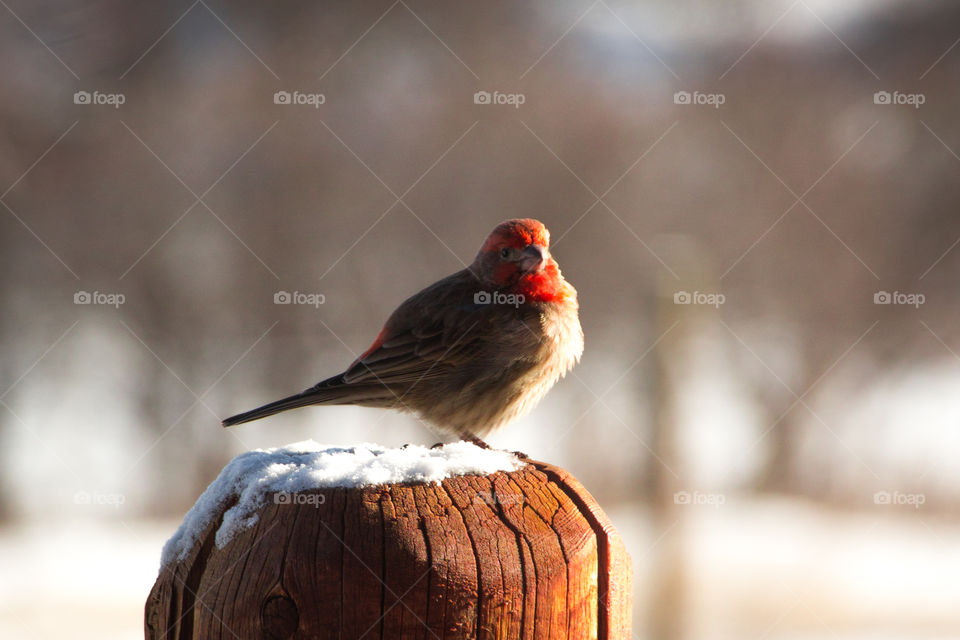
(527, 554)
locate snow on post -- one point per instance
(312, 541)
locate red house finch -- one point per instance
(471, 352)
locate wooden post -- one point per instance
(523, 554)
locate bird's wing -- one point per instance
(431, 333)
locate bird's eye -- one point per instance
(505, 253)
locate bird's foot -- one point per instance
(478, 442)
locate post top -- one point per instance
(304, 466)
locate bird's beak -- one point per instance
(533, 258)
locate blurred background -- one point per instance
(757, 201)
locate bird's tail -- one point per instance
(331, 391)
(291, 402)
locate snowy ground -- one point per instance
(84, 580)
(777, 569)
(787, 569)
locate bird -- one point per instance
(470, 353)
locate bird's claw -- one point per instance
(478, 442)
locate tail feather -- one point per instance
(331, 391)
(291, 402)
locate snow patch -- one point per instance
(249, 477)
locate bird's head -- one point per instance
(516, 257)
